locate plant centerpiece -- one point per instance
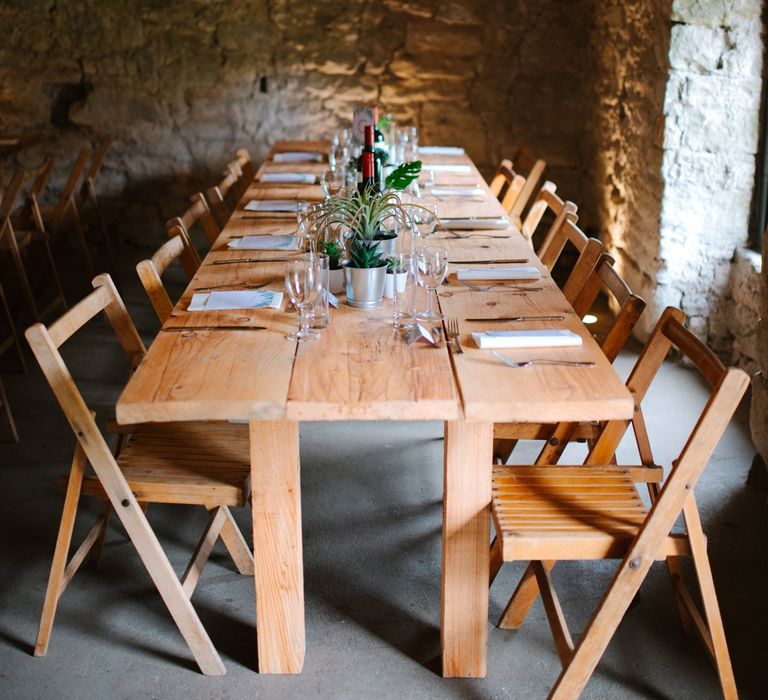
(334, 251)
(362, 216)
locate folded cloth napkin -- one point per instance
(299, 178)
(441, 151)
(499, 273)
(271, 205)
(475, 224)
(298, 157)
(248, 299)
(448, 167)
(265, 243)
(489, 340)
(473, 192)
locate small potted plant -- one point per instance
(333, 249)
(395, 276)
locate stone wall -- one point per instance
(181, 85)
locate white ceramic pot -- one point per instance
(336, 281)
(394, 281)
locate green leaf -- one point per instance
(364, 254)
(403, 175)
(384, 122)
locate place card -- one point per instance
(473, 192)
(265, 243)
(293, 178)
(272, 205)
(441, 151)
(491, 340)
(419, 332)
(298, 157)
(235, 299)
(499, 273)
(333, 300)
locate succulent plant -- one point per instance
(365, 254)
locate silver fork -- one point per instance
(541, 361)
(452, 329)
(505, 287)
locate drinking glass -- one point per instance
(303, 224)
(319, 314)
(332, 182)
(302, 282)
(431, 268)
(423, 220)
(404, 292)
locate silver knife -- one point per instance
(489, 262)
(179, 329)
(512, 319)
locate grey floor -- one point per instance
(371, 511)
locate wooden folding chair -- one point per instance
(602, 279)
(197, 212)
(222, 198)
(245, 171)
(547, 513)
(180, 463)
(21, 224)
(11, 340)
(547, 200)
(150, 271)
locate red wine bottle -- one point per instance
(370, 180)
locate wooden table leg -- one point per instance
(278, 563)
(466, 531)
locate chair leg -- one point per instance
(54, 272)
(202, 551)
(98, 545)
(26, 288)
(96, 207)
(80, 234)
(719, 647)
(496, 560)
(557, 624)
(63, 540)
(236, 545)
(6, 407)
(522, 599)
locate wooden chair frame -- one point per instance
(651, 540)
(26, 185)
(547, 199)
(150, 271)
(603, 278)
(198, 211)
(116, 489)
(222, 198)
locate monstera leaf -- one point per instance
(403, 175)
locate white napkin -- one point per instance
(299, 178)
(298, 157)
(448, 167)
(248, 299)
(475, 224)
(473, 192)
(272, 205)
(489, 340)
(499, 273)
(441, 151)
(265, 243)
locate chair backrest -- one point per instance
(588, 249)
(506, 184)
(99, 154)
(244, 160)
(75, 181)
(198, 211)
(516, 207)
(150, 272)
(547, 200)
(728, 386)
(605, 278)
(222, 198)
(45, 343)
(21, 197)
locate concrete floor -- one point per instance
(371, 508)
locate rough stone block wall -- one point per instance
(181, 85)
(711, 134)
(623, 136)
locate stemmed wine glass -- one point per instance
(332, 182)
(431, 268)
(303, 282)
(423, 220)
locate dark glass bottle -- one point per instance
(370, 175)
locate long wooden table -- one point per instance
(361, 370)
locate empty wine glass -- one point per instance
(431, 268)
(423, 220)
(303, 282)
(332, 182)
